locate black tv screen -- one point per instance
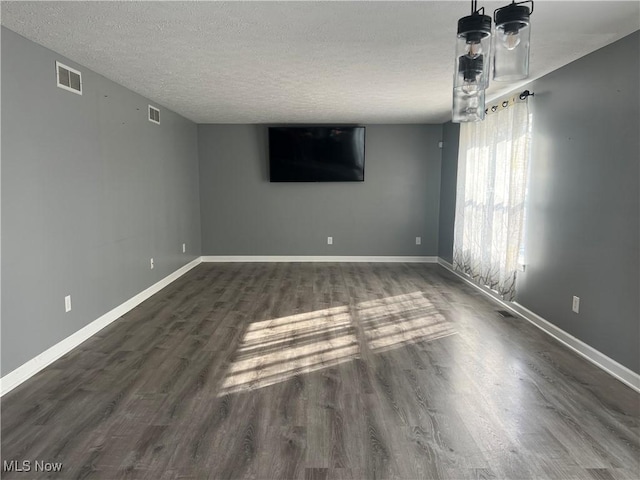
(316, 154)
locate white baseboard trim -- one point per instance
(599, 359)
(12, 379)
(313, 258)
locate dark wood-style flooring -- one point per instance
(322, 371)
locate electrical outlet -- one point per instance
(329, 240)
(576, 304)
(418, 240)
(151, 264)
(67, 303)
(184, 248)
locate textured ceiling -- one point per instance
(299, 62)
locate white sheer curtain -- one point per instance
(490, 206)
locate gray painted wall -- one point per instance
(91, 190)
(582, 232)
(448, 180)
(244, 214)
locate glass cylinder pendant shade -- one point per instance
(468, 105)
(473, 51)
(511, 43)
(472, 64)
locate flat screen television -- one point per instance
(316, 154)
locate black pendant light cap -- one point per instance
(474, 27)
(513, 16)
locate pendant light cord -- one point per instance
(474, 8)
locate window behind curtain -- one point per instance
(493, 167)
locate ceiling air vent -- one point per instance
(154, 115)
(68, 78)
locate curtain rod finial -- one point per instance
(526, 94)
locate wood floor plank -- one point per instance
(322, 371)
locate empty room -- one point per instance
(320, 240)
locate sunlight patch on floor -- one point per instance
(395, 321)
(276, 350)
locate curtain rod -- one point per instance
(510, 101)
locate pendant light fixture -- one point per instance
(471, 77)
(511, 42)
